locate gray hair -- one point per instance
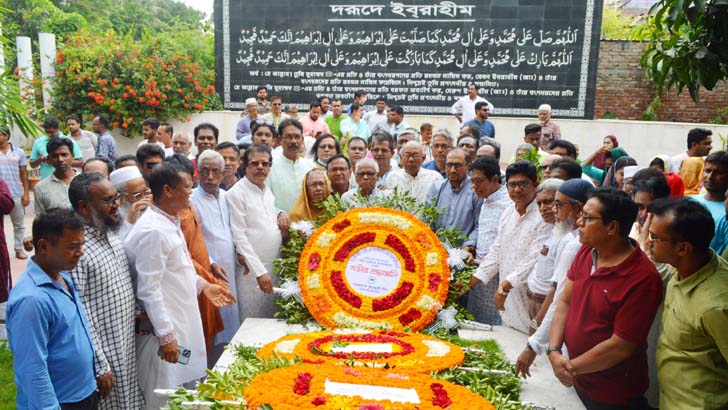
(210, 155)
(413, 144)
(550, 185)
(367, 161)
(544, 107)
(445, 133)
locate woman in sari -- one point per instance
(314, 189)
(597, 174)
(609, 143)
(691, 173)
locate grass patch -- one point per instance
(7, 385)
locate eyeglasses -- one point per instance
(139, 195)
(111, 200)
(543, 167)
(558, 204)
(454, 165)
(208, 171)
(366, 174)
(518, 184)
(441, 146)
(257, 164)
(588, 218)
(411, 155)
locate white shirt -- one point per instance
(466, 107)
(539, 281)
(676, 162)
(490, 215)
(565, 254)
(167, 289)
(254, 223)
(215, 224)
(416, 187)
(512, 257)
(284, 180)
(374, 119)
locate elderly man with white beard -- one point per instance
(103, 281)
(135, 196)
(569, 200)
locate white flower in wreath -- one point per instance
(286, 346)
(325, 239)
(427, 303)
(391, 220)
(344, 320)
(314, 281)
(432, 258)
(435, 348)
(305, 227)
(352, 331)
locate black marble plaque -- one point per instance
(418, 54)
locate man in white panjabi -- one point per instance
(521, 235)
(167, 288)
(212, 208)
(258, 229)
(413, 179)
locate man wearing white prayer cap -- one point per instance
(243, 128)
(135, 196)
(629, 172)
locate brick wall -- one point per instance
(623, 89)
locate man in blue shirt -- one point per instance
(457, 199)
(53, 355)
(715, 182)
(487, 129)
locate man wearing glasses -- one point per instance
(367, 190)
(276, 115)
(604, 314)
(103, 280)
(482, 110)
(521, 235)
(135, 196)
(456, 197)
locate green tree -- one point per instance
(615, 25)
(687, 44)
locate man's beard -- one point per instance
(562, 228)
(104, 225)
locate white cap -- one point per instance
(123, 175)
(629, 171)
(250, 101)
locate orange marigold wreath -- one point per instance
(374, 268)
(412, 352)
(305, 387)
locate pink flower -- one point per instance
(371, 407)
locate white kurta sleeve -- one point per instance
(239, 227)
(150, 258)
(490, 265)
(520, 273)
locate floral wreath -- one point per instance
(403, 351)
(304, 387)
(403, 288)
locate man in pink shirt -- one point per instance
(313, 125)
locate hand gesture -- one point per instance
(219, 272)
(265, 283)
(104, 383)
(218, 295)
(563, 370)
(170, 352)
(136, 210)
(524, 362)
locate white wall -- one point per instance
(643, 140)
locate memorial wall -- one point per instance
(418, 54)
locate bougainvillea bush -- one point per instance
(129, 80)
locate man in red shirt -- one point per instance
(606, 310)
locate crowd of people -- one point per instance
(145, 265)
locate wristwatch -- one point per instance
(501, 291)
(553, 349)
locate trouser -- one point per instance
(637, 403)
(89, 403)
(17, 216)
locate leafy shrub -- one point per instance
(129, 80)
